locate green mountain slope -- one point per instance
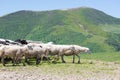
(83, 26)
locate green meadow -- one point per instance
(107, 56)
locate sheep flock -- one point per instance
(21, 51)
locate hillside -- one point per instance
(84, 26)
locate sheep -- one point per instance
(68, 50)
(16, 53)
(31, 41)
(46, 46)
(57, 50)
(13, 52)
(1, 50)
(7, 42)
(21, 41)
(79, 49)
(35, 52)
(39, 44)
(53, 51)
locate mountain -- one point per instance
(83, 26)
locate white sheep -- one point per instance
(67, 50)
(79, 49)
(13, 52)
(35, 51)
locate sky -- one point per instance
(111, 7)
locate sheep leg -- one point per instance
(78, 58)
(47, 56)
(3, 62)
(55, 59)
(41, 60)
(73, 58)
(26, 60)
(62, 58)
(13, 62)
(48, 60)
(37, 61)
(17, 60)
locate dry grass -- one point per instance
(87, 70)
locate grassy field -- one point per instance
(95, 66)
(109, 56)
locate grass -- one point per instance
(108, 56)
(111, 28)
(93, 66)
(86, 62)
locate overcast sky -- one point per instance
(111, 7)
